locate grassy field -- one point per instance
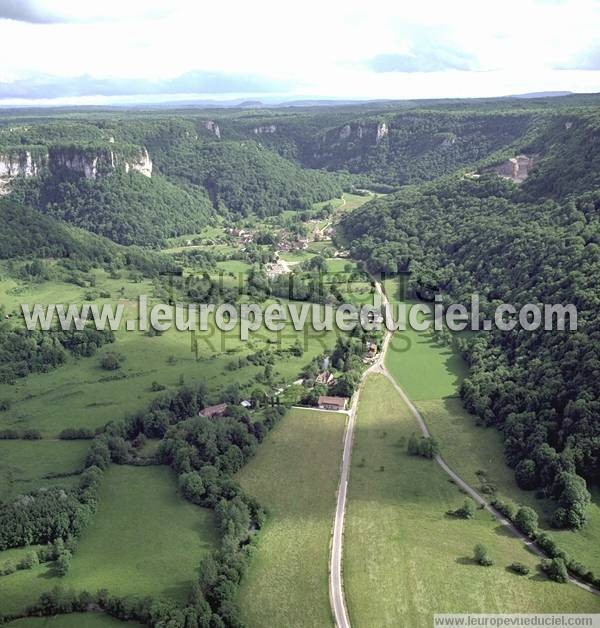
(404, 559)
(457, 432)
(144, 540)
(234, 266)
(294, 475)
(431, 376)
(76, 620)
(25, 465)
(80, 393)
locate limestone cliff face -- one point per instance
(140, 163)
(265, 130)
(81, 161)
(213, 127)
(364, 131)
(19, 163)
(516, 169)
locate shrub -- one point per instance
(519, 568)
(76, 433)
(111, 361)
(31, 434)
(63, 563)
(555, 569)
(508, 509)
(28, 562)
(8, 568)
(526, 520)
(466, 511)
(480, 554)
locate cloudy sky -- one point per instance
(75, 51)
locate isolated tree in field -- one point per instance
(466, 511)
(480, 554)
(519, 568)
(526, 520)
(413, 445)
(428, 447)
(111, 361)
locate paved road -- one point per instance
(336, 587)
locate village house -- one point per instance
(325, 378)
(332, 403)
(214, 411)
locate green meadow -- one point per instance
(294, 475)
(80, 393)
(144, 540)
(404, 558)
(431, 375)
(26, 465)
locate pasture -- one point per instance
(144, 540)
(404, 558)
(26, 465)
(294, 475)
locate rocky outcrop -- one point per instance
(142, 162)
(213, 127)
(265, 130)
(19, 163)
(516, 169)
(382, 131)
(82, 161)
(364, 131)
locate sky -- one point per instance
(123, 51)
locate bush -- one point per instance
(63, 563)
(519, 568)
(466, 511)
(480, 554)
(547, 544)
(156, 387)
(31, 434)
(526, 520)
(5, 405)
(508, 509)
(8, 568)
(76, 433)
(556, 569)
(28, 562)
(9, 434)
(111, 361)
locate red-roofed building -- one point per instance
(332, 403)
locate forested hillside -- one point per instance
(244, 177)
(398, 148)
(26, 235)
(128, 208)
(541, 389)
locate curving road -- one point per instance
(336, 586)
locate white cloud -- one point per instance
(319, 48)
